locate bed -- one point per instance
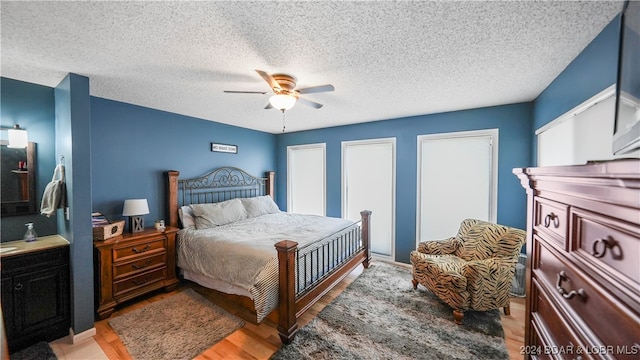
(235, 240)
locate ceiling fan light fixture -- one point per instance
(282, 102)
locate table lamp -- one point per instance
(134, 209)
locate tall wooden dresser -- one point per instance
(583, 261)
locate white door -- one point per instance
(368, 183)
(306, 179)
(457, 179)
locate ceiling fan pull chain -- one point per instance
(283, 127)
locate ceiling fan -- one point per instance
(285, 93)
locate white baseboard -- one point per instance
(76, 338)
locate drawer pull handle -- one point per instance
(136, 266)
(18, 287)
(551, 217)
(140, 282)
(562, 276)
(141, 251)
(607, 244)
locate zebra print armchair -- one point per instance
(473, 270)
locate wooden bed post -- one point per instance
(287, 321)
(172, 197)
(366, 232)
(270, 184)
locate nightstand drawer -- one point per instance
(137, 265)
(138, 249)
(139, 281)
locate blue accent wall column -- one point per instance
(73, 141)
(32, 107)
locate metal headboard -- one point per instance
(221, 184)
(224, 183)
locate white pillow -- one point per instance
(186, 217)
(260, 205)
(212, 215)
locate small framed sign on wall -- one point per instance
(225, 148)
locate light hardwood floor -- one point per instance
(260, 341)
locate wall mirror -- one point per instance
(18, 195)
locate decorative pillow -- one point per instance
(260, 205)
(212, 215)
(186, 217)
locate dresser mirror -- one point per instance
(18, 179)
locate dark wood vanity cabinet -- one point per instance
(35, 296)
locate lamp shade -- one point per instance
(282, 102)
(18, 137)
(133, 207)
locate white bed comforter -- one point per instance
(238, 252)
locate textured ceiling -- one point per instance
(385, 59)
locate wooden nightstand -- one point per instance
(133, 264)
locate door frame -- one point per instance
(493, 187)
(292, 148)
(343, 192)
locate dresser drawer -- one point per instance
(585, 302)
(556, 336)
(138, 249)
(137, 282)
(138, 264)
(608, 244)
(552, 218)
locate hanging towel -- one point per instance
(54, 196)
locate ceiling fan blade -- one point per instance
(244, 92)
(269, 79)
(269, 106)
(316, 89)
(313, 104)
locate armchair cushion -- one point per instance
(482, 240)
(443, 269)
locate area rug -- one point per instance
(178, 327)
(38, 351)
(380, 316)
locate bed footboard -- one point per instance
(306, 274)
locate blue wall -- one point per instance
(513, 122)
(132, 147)
(592, 71)
(32, 107)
